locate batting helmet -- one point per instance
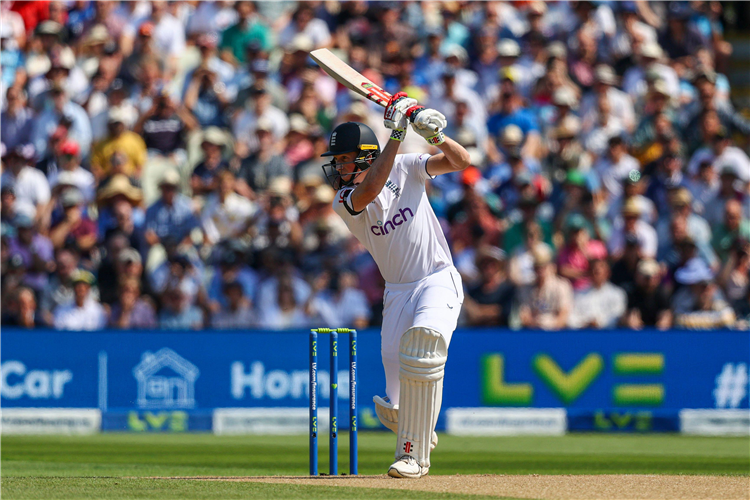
(347, 138)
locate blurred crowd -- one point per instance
(161, 162)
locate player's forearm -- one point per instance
(456, 154)
(377, 174)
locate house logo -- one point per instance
(165, 380)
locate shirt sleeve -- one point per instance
(342, 204)
(416, 165)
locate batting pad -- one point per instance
(423, 353)
(388, 415)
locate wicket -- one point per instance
(333, 434)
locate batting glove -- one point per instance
(430, 123)
(395, 116)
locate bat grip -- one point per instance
(412, 113)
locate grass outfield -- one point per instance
(118, 465)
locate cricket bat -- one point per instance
(351, 78)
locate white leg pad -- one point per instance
(386, 412)
(388, 415)
(423, 353)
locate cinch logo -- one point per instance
(397, 220)
(407, 447)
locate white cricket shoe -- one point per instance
(407, 467)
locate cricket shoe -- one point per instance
(407, 467)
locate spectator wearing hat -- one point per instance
(119, 204)
(579, 250)
(605, 83)
(730, 188)
(59, 291)
(30, 185)
(34, 252)
(128, 145)
(72, 173)
(681, 205)
(700, 304)
(648, 302)
(17, 120)
(63, 110)
(489, 302)
(172, 214)
(75, 229)
(260, 168)
(226, 214)
(521, 263)
(668, 176)
(249, 28)
(545, 304)
(633, 186)
(204, 179)
(630, 224)
(132, 311)
(649, 58)
(602, 304)
(237, 313)
(84, 313)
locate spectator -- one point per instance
(71, 172)
(699, 304)
(734, 278)
(121, 152)
(62, 111)
(164, 127)
(283, 311)
(205, 175)
(546, 303)
(258, 170)
(22, 311)
(648, 303)
(249, 28)
(734, 230)
(600, 306)
(59, 291)
(231, 268)
(75, 230)
(490, 301)
(29, 184)
(631, 225)
(34, 252)
(171, 215)
(237, 313)
(580, 249)
(335, 300)
(132, 310)
(178, 313)
(226, 215)
(84, 312)
(17, 120)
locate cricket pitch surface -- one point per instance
(552, 487)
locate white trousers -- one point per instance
(432, 302)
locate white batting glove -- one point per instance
(429, 123)
(395, 117)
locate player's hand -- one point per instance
(429, 123)
(395, 115)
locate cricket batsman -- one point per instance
(381, 197)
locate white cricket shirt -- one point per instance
(399, 227)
